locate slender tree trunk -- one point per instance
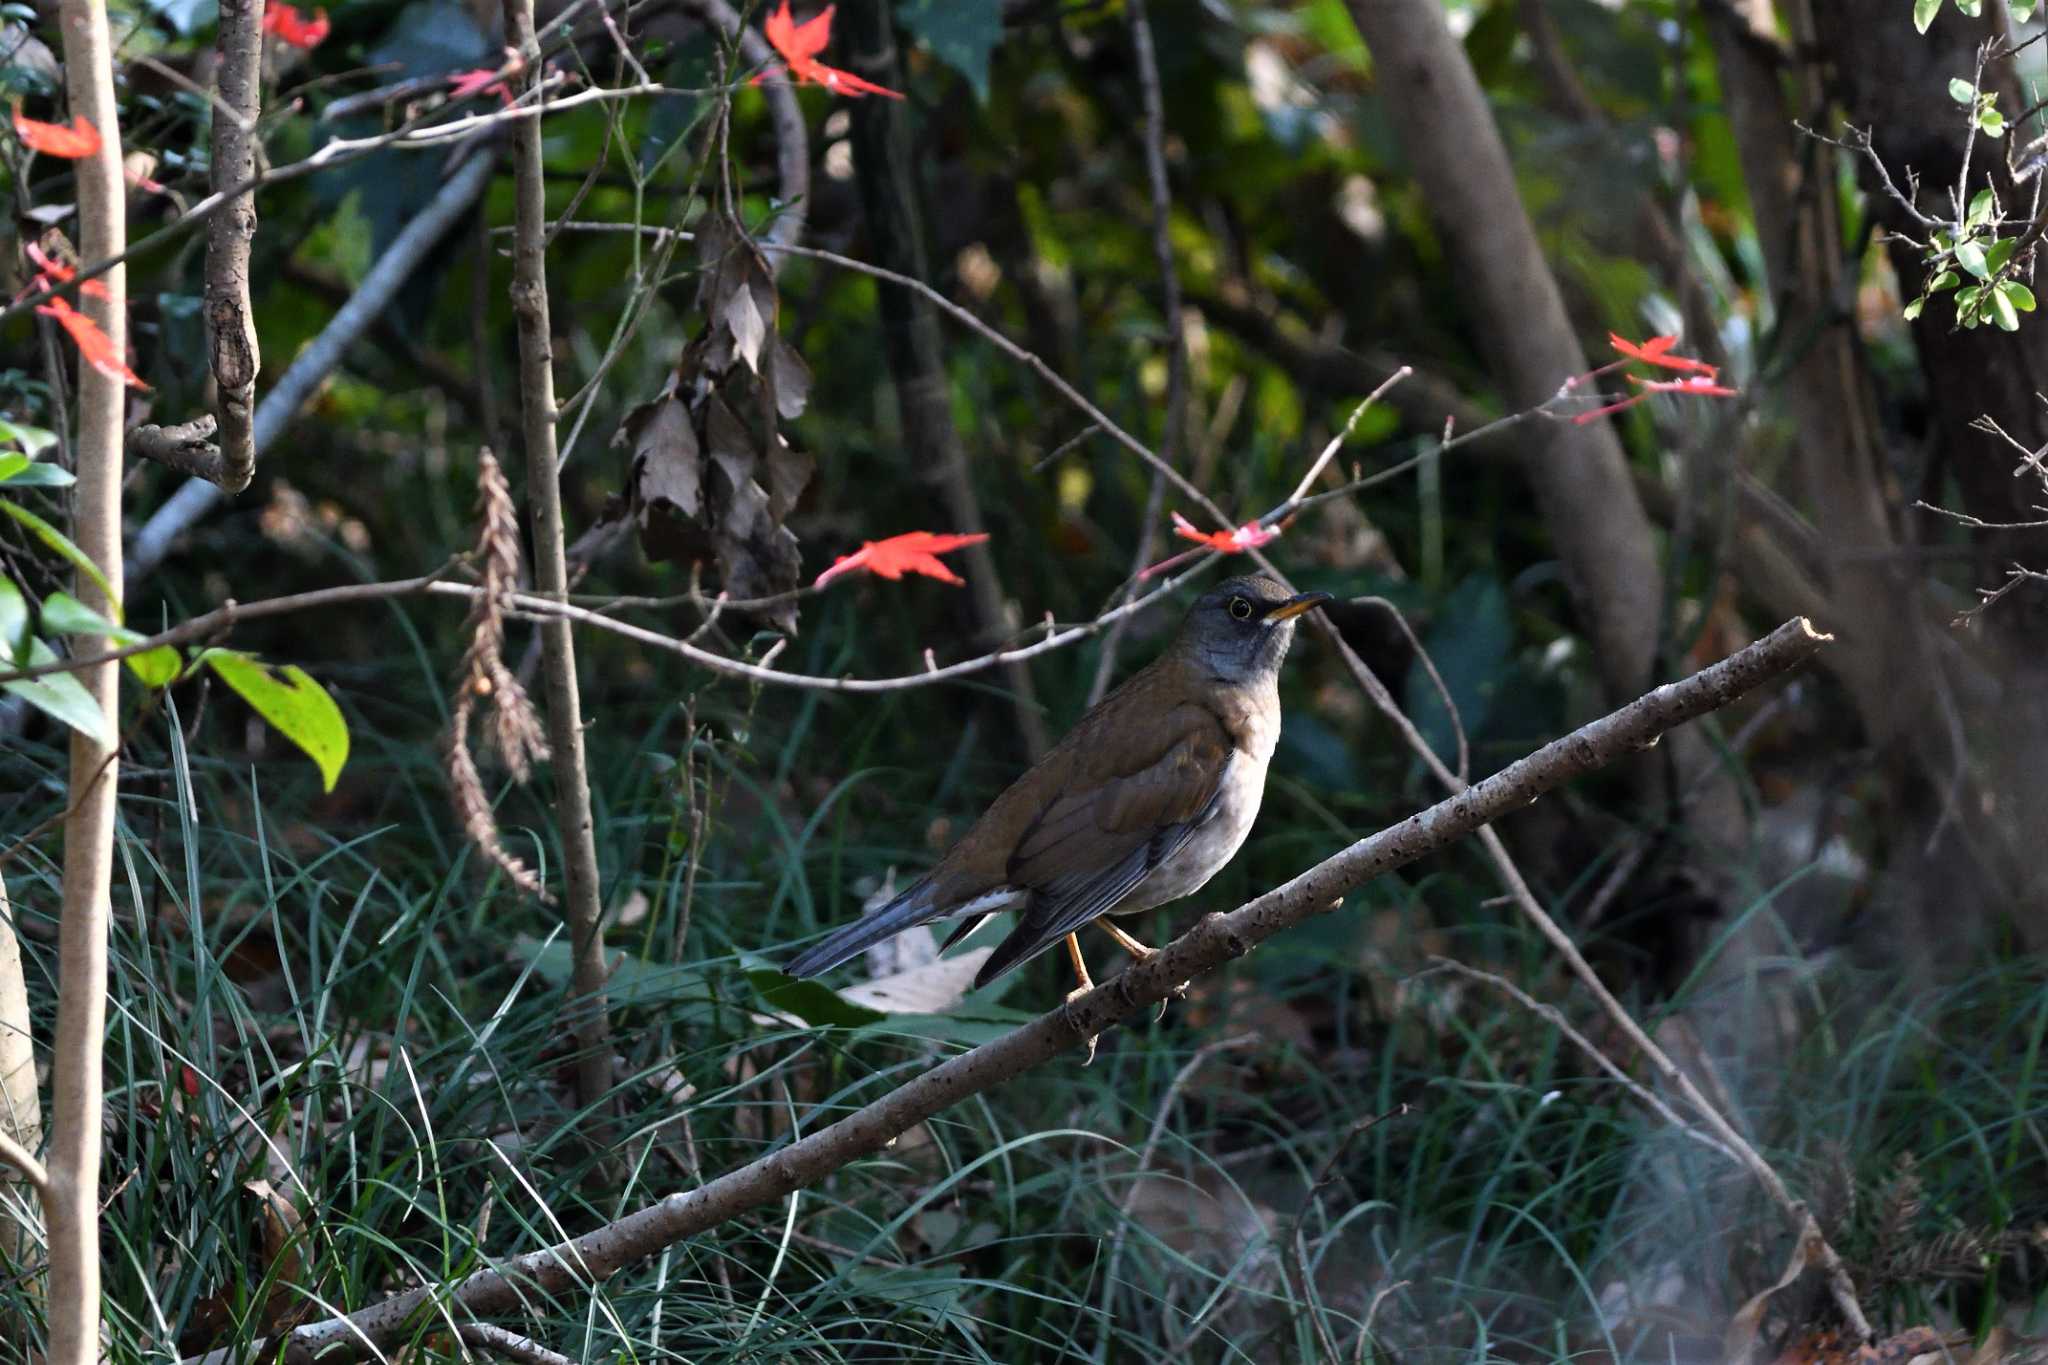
(72, 1210)
(551, 579)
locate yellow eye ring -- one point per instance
(1241, 609)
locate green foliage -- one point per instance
(57, 695)
(960, 33)
(298, 706)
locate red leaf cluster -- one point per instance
(800, 45)
(1702, 380)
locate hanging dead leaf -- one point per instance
(712, 477)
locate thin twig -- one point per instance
(320, 356)
(1124, 1206)
(1173, 430)
(509, 1345)
(1555, 1018)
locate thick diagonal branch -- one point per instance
(1213, 941)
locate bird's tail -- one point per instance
(912, 906)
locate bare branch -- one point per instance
(1173, 430)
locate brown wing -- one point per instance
(1128, 810)
(1119, 795)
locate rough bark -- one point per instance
(1881, 660)
(230, 329)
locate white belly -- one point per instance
(1214, 844)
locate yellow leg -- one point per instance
(1125, 941)
(1087, 983)
(1080, 966)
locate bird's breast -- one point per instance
(1216, 842)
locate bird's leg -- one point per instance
(1141, 953)
(1125, 941)
(1087, 983)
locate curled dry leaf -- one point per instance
(711, 476)
(514, 729)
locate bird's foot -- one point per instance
(1089, 1041)
(1085, 984)
(1141, 955)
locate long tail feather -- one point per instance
(912, 906)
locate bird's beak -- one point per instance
(1297, 604)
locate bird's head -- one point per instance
(1240, 629)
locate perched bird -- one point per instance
(1142, 803)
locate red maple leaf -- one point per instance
(93, 344)
(911, 552)
(1236, 542)
(800, 45)
(55, 139)
(1657, 351)
(291, 26)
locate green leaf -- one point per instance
(1991, 123)
(1947, 279)
(61, 696)
(2021, 296)
(32, 440)
(1981, 205)
(2002, 311)
(20, 471)
(1970, 257)
(813, 1002)
(1999, 254)
(298, 707)
(1914, 308)
(1924, 12)
(1961, 91)
(64, 614)
(2022, 10)
(61, 543)
(960, 33)
(1973, 8)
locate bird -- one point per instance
(1149, 796)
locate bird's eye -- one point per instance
(1241, 609)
